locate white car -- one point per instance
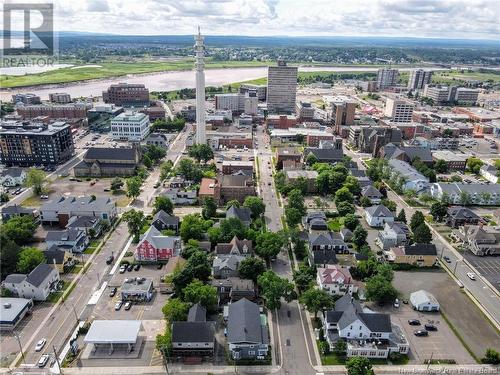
(396, 303)
(43, 360)
(471, 276)
(40, 344)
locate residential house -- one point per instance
(72, 240)
(235, 247)
(466, 194)
(311, 215)
(458, 216)
(244, 214)
(194, 337)
(411, 178)
(225, 266)
(364, 181)
(60, 210)
(233, 289)
(15, 210)
(393, 234)
(420, 254)
(490, 173)
(36, 285)
(367, 334)
(327, 152)
(236, 187)
(162, 220)
(60, 258)
(407, 153)
(180, 196)
(422, 300)
(372, 193)
(336, 280)
(108, 162)
(13, 176)
(377, 216)
(479, 239)
(346, 234)
(309, 176)
(154, 247)
(247, 333)
(87, 224)
(323, 247)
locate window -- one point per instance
(251, 352)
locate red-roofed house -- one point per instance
(209, 187)
(154, 246)
(336, 280)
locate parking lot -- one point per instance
(460, 311)
(488, 267)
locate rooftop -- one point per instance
(113, 331)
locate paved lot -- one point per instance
(489, 267)
(458, 308)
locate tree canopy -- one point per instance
(269, 244)
(163, 203)
(35, 179)
(273, 288)
(316, 300)
(29, 258)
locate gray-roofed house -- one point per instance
(36, 285)
(458, 216)
(306, 220)
(372, 193)
(327, 152)
(242, 213)
(346, 234)
(88, 224)
(407, 153)
(60, 258)
(394, 234)
(162, 220)
(13, 176)
(367, 334)
(72, 240)
(180, 196)
(225, 266)
(466, 194)
(154, 246)
(247, 332)
(233, 289)
(480, 239)
(60, 210)
(490, 173)
(17, 210)
(323, 247)
(194, 337)
(377, 216)
(235, 247)
(108, 162)
(413, 179)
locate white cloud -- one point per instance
(419, 18)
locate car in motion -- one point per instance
(447, 259)
(43, 360)
(40, 344)
(471, 276)
(110, 259)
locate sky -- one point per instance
(464, 19)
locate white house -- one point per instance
(181, 197)
(422, 300)
(394, 234)
(490, 173)
(413, 180)
(466, 194)
(372, 193)
(377, 216)
(37, 285)
(13, 176)
(72, 240)
(336, 280)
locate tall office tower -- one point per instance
(281, 88)
(419, 78)
(200, 89)
(399, 110)
(387, 77)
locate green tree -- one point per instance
(8, 256)
(380, 290)
(422, 234)
(251, 268)
(474, 165)
(199, 266)
(492, 357)
(439, 211)
(440, 166)
(164, 342)
(465, 198)
(175, 310)
(191, 247)
(197, 292)
(135, 221)
(416, 220)
(163, 203)
(4, 197)
(296, 200)
(359, 366)
(390, 205)
(133, 187)
(304, 277)
(193, 227)
(187, 169)
(345, 208)
(209, 208)
(35, 179)
(201, 152)
(343, 195)
(165, 169)
(273, 288)
(401, 216)
(352, 184)
(116, 184)
(316, 300)
(365, 202)
(231, 227)
(293, 216)
(340, 347)
(256, 205)
(146, 160)
(268, 245)
(19, 229)
(359, 236)
(28, 258)
(311, 159)
(351, 221)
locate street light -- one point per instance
(456, 264)
(20, 347)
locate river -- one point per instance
(166, 81)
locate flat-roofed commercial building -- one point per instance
(126, 94)
(130, 126)
(12, 311)
(111, 335)
(399, 110)
(281, 88)
(60, 97)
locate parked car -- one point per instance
(110, 259)
(447, 259)
(44, 196)
(396, 303)
(123, 268)
(414, 322)
(137, 267)
(40, 344)
(430, 327)
(118, 305)
(128, 305)
(113, 291)
(159, 266)
(130, 267)
(421, 332)
(471, 276)
(43, 360)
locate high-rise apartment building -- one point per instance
(251, 106)
(439, 94)
(127, 95)
(343, 110)
(28, 144)
(399, 110)
(419, 78)
(281, 88)
(387, 77)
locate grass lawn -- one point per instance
(33, 201)
(336, 224)
(54, 297)
(123, 202)
(447, 77)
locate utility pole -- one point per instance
(57, 359)
(76, 315)
(455, 268)
(20, 347)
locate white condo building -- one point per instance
(200, 89)
(130, 126)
